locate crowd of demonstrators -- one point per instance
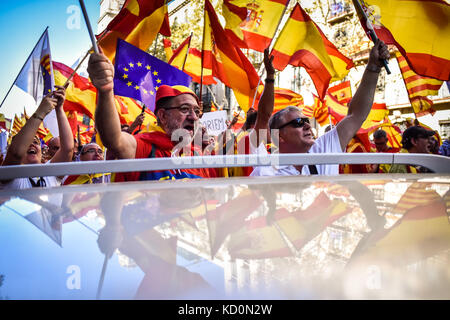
(25, 147)
(178, 133)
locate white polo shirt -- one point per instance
(328, 143)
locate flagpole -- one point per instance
(24, 65)
(270, 44)
(185, 57)
(372, 33)
(88, 25)
(203, 54)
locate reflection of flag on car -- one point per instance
(260, 238)
(230, 217)
(138, 74)
(48, 223)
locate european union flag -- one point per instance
(138, 74)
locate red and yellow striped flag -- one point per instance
(282, 98)
(168, 48)
(179, 56)
(342, 92)
(4, 123)
(418, 28)
(309, 49)
(418, 88)
(138, 23)
(252, 24)
(227, 61)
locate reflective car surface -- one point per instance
(345, 237)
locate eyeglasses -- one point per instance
(98, 151)
(296, 123)
(186, 110)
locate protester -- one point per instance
(295, 134)
(415, 139)
(25, 147)
(89, 152)
(380, 140)
(444, 149)
(177, 110)
(434, 145)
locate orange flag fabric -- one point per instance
(168, 48)
(252, 24)
(309, 49)
(138, 23)
(226, 60)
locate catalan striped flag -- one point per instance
(227, 61)
(342, 92)
(138, 23)
(418, 88)
(393, 133)
(282, 98)
(418, 28)
(309, 49)
(252, 24)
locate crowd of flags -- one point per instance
(422, 54)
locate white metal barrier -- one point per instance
(438, 164)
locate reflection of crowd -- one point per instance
(178, 110)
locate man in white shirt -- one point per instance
(295, 134)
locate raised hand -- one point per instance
(378, 53)
(101, 72)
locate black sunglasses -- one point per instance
(296, 123)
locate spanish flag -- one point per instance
(418, 28)
(252, 24)
(342, 92)
(168, 48)
(189, 60)
(393, 133)
(4, 123)
(227, 61)
(138, 23)
(179, 56)
(309, 49)
(418, 88)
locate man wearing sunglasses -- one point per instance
(295, 134)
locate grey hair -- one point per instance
(275, 119)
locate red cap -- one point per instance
(165, 91)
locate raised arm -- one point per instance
(361, 103)
(24, 138)
(65, 152)
(107, 121)
(266, 103)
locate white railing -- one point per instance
(438, 164)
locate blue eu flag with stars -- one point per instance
(138, 75)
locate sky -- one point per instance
(21, 25)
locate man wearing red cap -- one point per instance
(177, 109)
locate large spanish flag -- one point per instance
(252, 24)
(418, 88)
(178, 58)
(309, 49)
(420, 29)
(138, 23)
(227, 61)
